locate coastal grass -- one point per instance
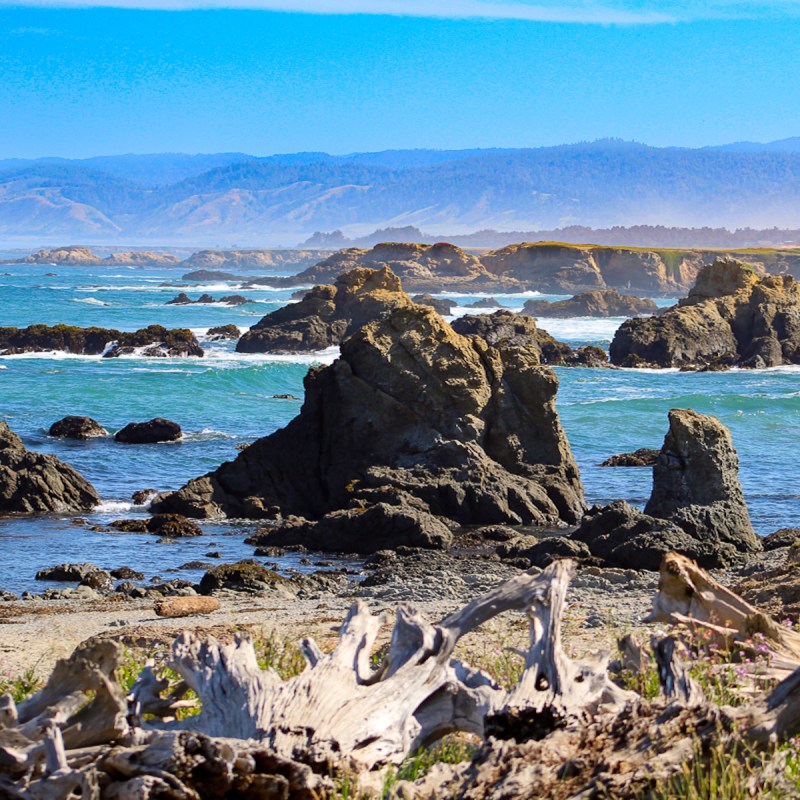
(21, 686)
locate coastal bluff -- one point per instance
(411, 414)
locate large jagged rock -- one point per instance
(35, 483)
(327, 314)
(469, 430)
(696, 507)
(732, 317)
(506, 327)
(696, 481)
(599, 303)
(153, 341)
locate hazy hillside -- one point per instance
(285, 198)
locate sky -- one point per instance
(279, 76)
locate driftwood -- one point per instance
(185, 606)
(567, 729)
(690, 596)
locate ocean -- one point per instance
(227, 399)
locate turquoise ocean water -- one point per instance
(227, 399)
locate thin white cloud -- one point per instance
(603, 12)
(569, 11)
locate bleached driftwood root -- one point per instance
(567, 729)
(689, 595)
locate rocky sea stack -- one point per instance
(411, 414)
(731, 318)
(35, 483)
(327, 314)
(696, 508)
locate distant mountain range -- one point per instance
(236, 198)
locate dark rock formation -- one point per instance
(543, 552)
(508, 328)
(643, 457)
(244, 576)
(221, 332)
(410, 410)
(485, 302)
(141, 497)
(99, 580)
(229, 299)
(127, 573)
(171, 526)
(599, 303)
(327, 314)
(66, 572)
(443, 307)
(696, 507)
(696, 482)
(732, 317)
(150, 432)
(34, 483)
(77, 428)
(157, 340)
(362, 530)
(623, 536)
(181, 299)
(785, 537)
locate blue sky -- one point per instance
(274, 76)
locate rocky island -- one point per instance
(732, 317)
(412, 415)
(153, 341)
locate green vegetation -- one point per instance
(20, 687)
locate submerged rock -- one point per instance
(77, 428)
(643, 457)
(410, 408)
(221, 332)
(327, 314)
(34, 483)
(732, 317)
(599, 303)
(150, 432)
(170, 526)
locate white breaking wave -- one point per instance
(113, 507)
(92, 301)
(509, 297)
